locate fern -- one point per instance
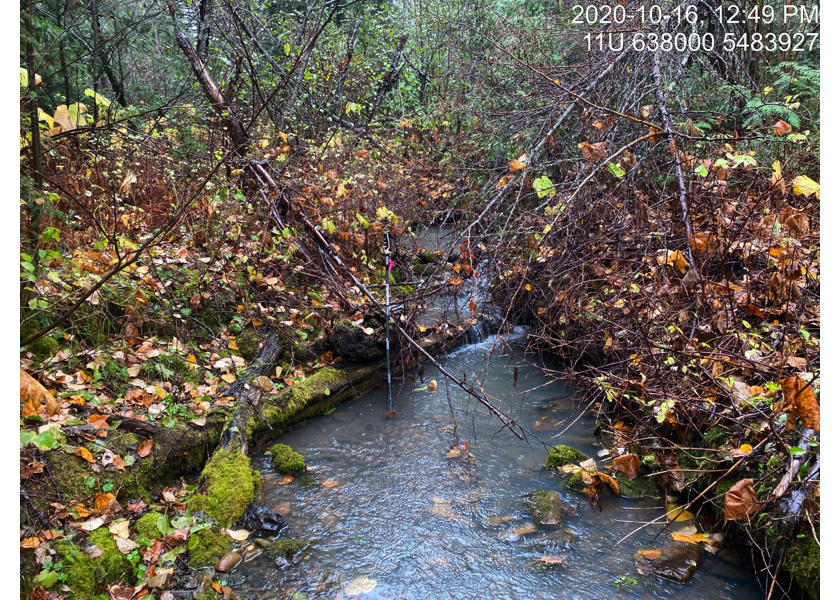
(758, 110)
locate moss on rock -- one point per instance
(228, 483)
(287, 548)
(575, 482)
(563, 455)
(211, 545)
(640, 487)
(146, 526)
(43, 348)
(248, 344)
(546, 508)
(802, 561)
(286, 460)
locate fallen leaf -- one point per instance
(229, 377)
(676, 513)
(102, 501)
(32, 393)
(84, 453)
(240, 535)
(145, 448)
(552, 560)
(98, 421)
(81, 511)
(30, 542)
(119, 528)
(593, 152)
(800, 397)
(330, 484)
(125, 545)
(695, 538)
(609, 481)
(285, 479)
(629, 464)
(90, 525)
(740, 501)
(649, 554)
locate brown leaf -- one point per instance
(152, 553)
(628, 464)
(593, 152)
(552, 560)
(740, 501)
(781, 128)
(800, 396)
(144, 448)
(517, 164)
(32, 393)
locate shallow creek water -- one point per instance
(421, 525)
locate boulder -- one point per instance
(641, 486)
(352, 344)
(263, 521)
(546, 508)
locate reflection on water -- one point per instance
(408, 522)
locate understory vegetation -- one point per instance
(206, 190)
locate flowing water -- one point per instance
(390, 516)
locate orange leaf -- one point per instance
(118, 463)
(472, 305)
(32, 393)
(102, 501)
(740, 501)
(781, 128)
(517, 164)
(628, 464)
(552, 560)
(800, 396)
(649, 554)
(84, 453)
(30, 542)
(98, 421)
(286, 479)
(610, 481)
(144, 448)
(330, 484)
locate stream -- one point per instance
(390, 516)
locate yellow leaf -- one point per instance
(30, 542)
(82, 511)
(102, 501)
(697, 538)
(805, 186)
(229, 377)
(286, 479)
(746, 448)
(84, 453)
(777, 179)
(676, 513)
(119, 528)
(528, 287)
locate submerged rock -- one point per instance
(546, 507)
(352, 344)
(262, 520)
(563, 455)
(677, 561)
(228, 561)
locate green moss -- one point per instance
(640, 487)
(716, 436)
(114, 562)
(83, 574)
(248, 344)
(180, 368)
(546, 507)
(575, 482)
(286, 460)
(287, 548)
(563, 455)
(302, 400)
(228, 483)
(146, 526)
(211, 545)
(208, 594)
(802, 561)
(43, 348)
